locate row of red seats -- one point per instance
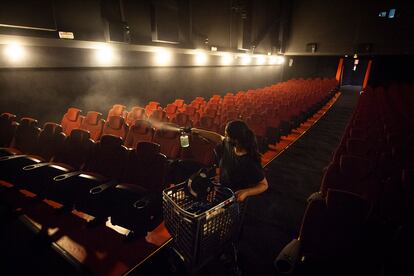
(270, 112)
(163, 133)
(103, 179)
(366, 195)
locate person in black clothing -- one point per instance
(240, 164)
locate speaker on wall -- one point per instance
(311, 47)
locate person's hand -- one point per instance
(241, 195)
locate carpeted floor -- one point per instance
(274, 218)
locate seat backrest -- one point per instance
(168, 138)
(116, 126)
(50, 141)
(202, 151)
(347, 206)
(179, 102)
(8, 127)
(136, 113)
(150, 107)
(354, 168)
(182, 120)
(117, 110)
(207, 123)
(159, 115)
(140, 131)
(147, 167)
(109, 157)
(26, 135)
(333, 227)
(71, 120)
(171, 110)
(93, 123)
(76, 149)
(357, 147)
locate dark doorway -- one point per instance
(354, 71)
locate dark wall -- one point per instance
(45, 94)
(56, 74)
(310, 67)
(218, 22)
(388, 69)
(340, 27)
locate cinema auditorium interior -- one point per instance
(108, 161)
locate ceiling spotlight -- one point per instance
(14, 52)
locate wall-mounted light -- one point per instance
(260, 60)
(104, 55)
(163, 57)
(200, 58)
(272, 60)
(280, 59)
(14, 52)
(246, 59)
(276, 59)
(227, 59)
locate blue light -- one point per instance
(391, 14)
(382, 14)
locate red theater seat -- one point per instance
(48, 143)
(71, 120)
(74, 153)
(136, 113)
(141, 131)
(117, 110)
(332, 236)
(93, 123)
(116, 126)
(151, 106)
(168, 138)
(106, 164)
(25, 139)
(207, 123)
(8, 127)
(179, 103)
(158, 115)
(201, 150)
(182, 120)
(354, 174)
(171, 110)
(147, 167)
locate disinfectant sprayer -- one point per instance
(184, 133)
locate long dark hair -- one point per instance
(239, 131)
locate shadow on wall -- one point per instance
(46, 94)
